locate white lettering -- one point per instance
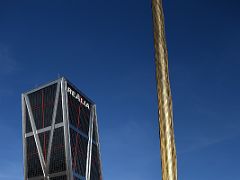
(78, 97)
(69, 90)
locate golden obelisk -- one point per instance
(165, 115)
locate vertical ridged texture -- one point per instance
(167, 143)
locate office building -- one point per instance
(60, 134)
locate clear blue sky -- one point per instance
(106, 49)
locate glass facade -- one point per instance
(60, 135)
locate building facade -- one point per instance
(60, 134)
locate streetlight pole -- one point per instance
(165, 115)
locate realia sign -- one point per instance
(78, 97)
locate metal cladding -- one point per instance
(60, 134)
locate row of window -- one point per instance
(42, 105)
(57, 157)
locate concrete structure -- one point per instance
(60, 134)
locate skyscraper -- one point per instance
(60, 134)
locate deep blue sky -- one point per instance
(106, 49)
